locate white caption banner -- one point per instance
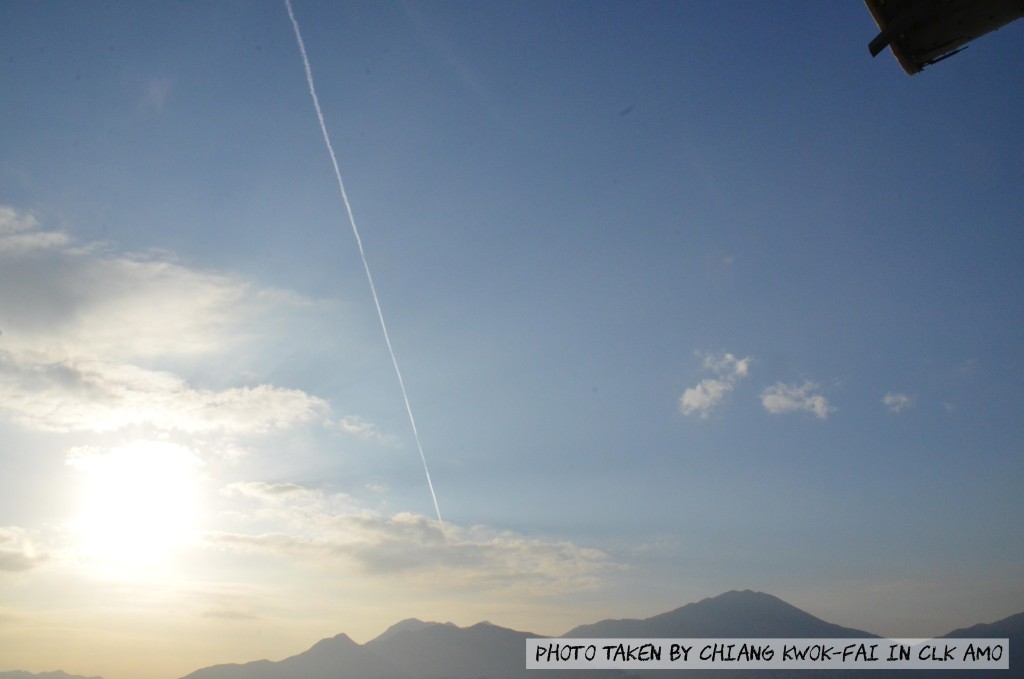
(767, 654)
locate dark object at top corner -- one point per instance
(922, 32)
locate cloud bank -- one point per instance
(330, 532)
(92, 342)
(82, 328)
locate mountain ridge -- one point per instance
(409, 624)
(417, 649)
(414, 649)
(733, 614)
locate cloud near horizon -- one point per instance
(92, 343)
(783, 398)
(702, 399)
(330, 531)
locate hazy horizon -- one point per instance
(686, 299)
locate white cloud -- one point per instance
(79, 324)
(897, 403)
(16, 550)
(58, 301)
(702, 399)
(18, 233)
(270, 493)
(299, 509)
(91, 341)
(785, 398)
(359, 428)
(12, 221)
(728, 366)
(95, 396)
(329, 531)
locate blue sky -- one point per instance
(687, 297)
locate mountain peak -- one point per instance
(332, 644)
(745, 597)
(735, 614)
(409, 625)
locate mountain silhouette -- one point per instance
(411, 648)
(1010, 628)
(408, 625)
(734, 614)
(414, 649)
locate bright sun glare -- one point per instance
(137, 504)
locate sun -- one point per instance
(137, 504)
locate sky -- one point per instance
(686, 297)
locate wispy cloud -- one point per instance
(229, 614)
(12, 221)
(84, 326)
(359, 428)
(897, 403)
(155, 95)
(786, 398)
(270, 493)
(326, 531)
(59, 299)
(92, 396)
(16, 550)
(19, 233)
(702, 399)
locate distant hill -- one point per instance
(1010, 628)
(734, 614)
(737, 615)
(435, 650)
(59, 674)
(414, 649)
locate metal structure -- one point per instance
(923, 32)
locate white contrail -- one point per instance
(362, 254)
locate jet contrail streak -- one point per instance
(362, 254)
